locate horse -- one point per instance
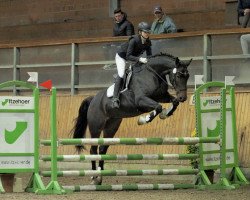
(148, 88)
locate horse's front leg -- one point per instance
(146, 104)
(165, 97)
(169, 111)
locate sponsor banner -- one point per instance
(214, 102)
(16, 102)
(16, 162)
(214, 159)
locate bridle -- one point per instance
(173, 84)
(179, 73)
(183, 74)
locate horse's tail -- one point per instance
(79, 129)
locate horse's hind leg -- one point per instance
(109, 131)
(95, 180)
(95, 132)
(93, 151)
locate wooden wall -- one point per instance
(51, 19)
(181, 124)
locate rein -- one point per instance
(174, 81)
(150, 69)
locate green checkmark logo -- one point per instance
(205, 103)
(12, 136)
(214, 132)
(4, 102)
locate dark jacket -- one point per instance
(123, 28)
(132, 49)
(242, 5)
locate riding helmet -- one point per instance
(144, 26)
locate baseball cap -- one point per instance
(157, 9)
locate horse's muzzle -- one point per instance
(181, 96)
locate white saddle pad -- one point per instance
(110, 90)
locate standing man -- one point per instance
(122, 27)
(244, 12)
(162, 23)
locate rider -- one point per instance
(131, 51)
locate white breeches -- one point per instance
(121, 65)
(245, 41)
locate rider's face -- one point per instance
(145, 34)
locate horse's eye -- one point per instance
(185, 73)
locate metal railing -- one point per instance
(205, 43)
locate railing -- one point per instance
(84, 58)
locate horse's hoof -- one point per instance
(163, 114)
(141, 120)
(96, 180)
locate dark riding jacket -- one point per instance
(242, 5)
(123, 28)
(132, 49)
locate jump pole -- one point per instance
(132, 141)
(54, 173)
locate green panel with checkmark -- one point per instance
(12, 136)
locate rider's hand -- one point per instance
(143, 60)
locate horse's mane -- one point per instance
(163, 54)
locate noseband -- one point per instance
(183, 74)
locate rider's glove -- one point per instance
(143, 60)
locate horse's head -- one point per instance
(165, 64)
(178, 77)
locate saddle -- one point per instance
(125, 85)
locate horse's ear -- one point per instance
(189, 61)
(177, 61)
(186, 63)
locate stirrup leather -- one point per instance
(115, 102)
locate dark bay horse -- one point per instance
(147, 89)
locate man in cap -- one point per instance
(162, 23)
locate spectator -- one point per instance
(244, 40)
(244, 12)
(131, 51)
(162, 23)
(122, 27)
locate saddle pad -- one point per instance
(110, 90)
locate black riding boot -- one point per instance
(115, 99)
